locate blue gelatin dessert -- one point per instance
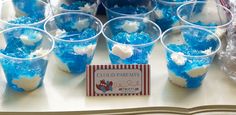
(187, 72)
(188, 62)
(76, 37)
(74, 56)
(24, 73)
(127, 46)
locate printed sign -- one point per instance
(118, 80)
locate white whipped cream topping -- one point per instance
(130, 27)
(89, 8)
(61, 65)
(89, 50)
(81, 24)
(26, 40)
(122, 51)
(196, 72)
(27, 83)
(178, 58)
(159, 13)
(207, 51)
(177, 79)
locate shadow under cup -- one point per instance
(189, 53)
(75, 37)
(24, 56)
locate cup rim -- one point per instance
(123, 14)
(131, 17)
(29, 58)
(209, 27)
(174, 3)
(189, 26)
(32, 24)
(77, 13)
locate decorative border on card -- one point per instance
(142, 83)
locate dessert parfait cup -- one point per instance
(32, 13)
(75, 35)
(118, 8)
(130, 40)
(24, 67)
(190, 51)
(206, 14)
(86, 6)
(165, 13)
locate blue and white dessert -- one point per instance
(72, 56)
(22, 70)
(127, 46)
(75, 41)
(188, 62)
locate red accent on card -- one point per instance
(117, 80)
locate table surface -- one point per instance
(64, 92)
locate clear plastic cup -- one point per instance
(206, 14)
(130, 40)
(118, 8)
(190, 51)
(86, 6)
(23, 13)
(24, 62)
(75, 37)
(165, 13)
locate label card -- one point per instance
(117, 80)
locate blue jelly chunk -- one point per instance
(77, 35)
(65, 51)
(199, 39)
(132, 38)
(190, 64)
(24, 20)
